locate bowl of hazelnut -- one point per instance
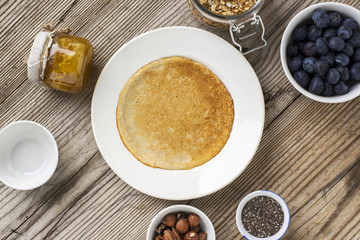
(181, 222)
(320, 52)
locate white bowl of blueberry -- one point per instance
(320, 52)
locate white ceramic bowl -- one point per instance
(28, 155)
(303, 17)
(284, 208)
(205, 222)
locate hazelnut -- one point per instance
(196, 228)
(169, 220)
(168, 235)
(194, 220)
(192, 235)
(182, 226)
(202, 235)
(176, 234)
(159, 237)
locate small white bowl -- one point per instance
(28, 155)
(205, 222)
(303, 17)
(284, 208)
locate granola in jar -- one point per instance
(228, 7)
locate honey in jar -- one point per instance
(60, 61)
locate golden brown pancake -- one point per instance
(174, 113)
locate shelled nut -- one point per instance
(180, 226)
(159, 237)
(202, 235)
(170, 220)
(176, 234)
(192, 235)
(194, 220)
(168, 235)
(196, 228)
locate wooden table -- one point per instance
(309, 152)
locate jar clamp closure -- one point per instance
(237, 23)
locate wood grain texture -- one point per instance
(309, 153)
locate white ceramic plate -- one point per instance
(234, 71)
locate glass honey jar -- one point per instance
(60, 61)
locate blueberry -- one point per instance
(356, 55)
(321, 18)
(355, 71)
(295, 63)
(335, 19)
(309, 49)
(350, 23)
(316, 85)
(355, 40)
(302, 78)
(344, 73)
(341, 88)
(299, 33)
(344, 32)
(336, 44)
(300, 46)
(313, 33)
(321, 68)
(329, 33)
(309, 64)
(348, 50)
(333, 76)
(355, 33)
(342, 60)
(292, 50)
(328, 89)
(321, 46)
(329, 58)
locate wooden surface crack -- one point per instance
(328, 188)
(12, 92)
(64, 15)
(351, 190)
(331, 184)
(282, 112)
(52, 196)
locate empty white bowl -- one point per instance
(205, 223)
(303, 17)
(28, 155)
(276, 197)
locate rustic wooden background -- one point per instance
(309, 153)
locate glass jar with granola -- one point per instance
(239, 16)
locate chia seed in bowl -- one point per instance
(262, 215)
